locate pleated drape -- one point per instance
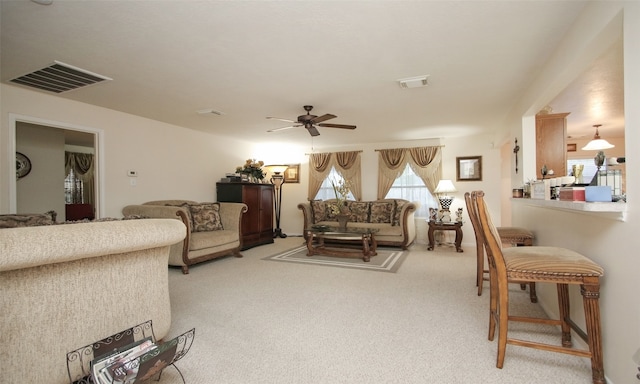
(424, 161)
(347, 164)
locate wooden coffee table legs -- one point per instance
(367, 241)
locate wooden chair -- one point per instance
(542, 264)
(514, 236)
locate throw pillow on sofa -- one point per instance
(359, 211)
(206, 217)
(398, 209)
(381, 212)
(318, 210)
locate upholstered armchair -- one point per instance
(213, 229)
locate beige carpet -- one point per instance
(276, 322)
(386, 260)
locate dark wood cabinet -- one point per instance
(257, 223)
(551, 143)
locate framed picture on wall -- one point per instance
(292, 174)
(469, 168)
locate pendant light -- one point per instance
(597, 144)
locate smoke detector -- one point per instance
(414, 82)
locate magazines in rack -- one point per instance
(140, 361)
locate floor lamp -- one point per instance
(277, 179)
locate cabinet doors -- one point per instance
(551, 143)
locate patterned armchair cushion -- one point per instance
(381, 212)
(27, 220)
(206, 217)
(359, 211)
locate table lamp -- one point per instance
(444, 188)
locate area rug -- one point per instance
(387, 259)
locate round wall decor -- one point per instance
(23, 165)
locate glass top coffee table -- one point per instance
(350, 242)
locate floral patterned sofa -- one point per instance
(393, 218)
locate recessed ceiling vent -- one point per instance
(59, 77)
(414, 82)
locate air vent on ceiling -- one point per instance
(414, 82)
(59, 77)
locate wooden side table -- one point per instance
(445, 226)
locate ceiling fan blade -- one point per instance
(313, 131)
(323, 118)
(283, 128)
(337, 126)
(277, 118)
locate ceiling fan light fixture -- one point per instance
(414, 82)
(597, 144)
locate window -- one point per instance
(410, 187)
(326, 189)
(73, 189)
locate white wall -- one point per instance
(613, 244)
(172, 162)
(45, 149)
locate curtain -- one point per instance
(319, 168)
(391, 163)
(424, 161)
(83, 168)
(347, 164)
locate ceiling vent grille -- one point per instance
(59, 77)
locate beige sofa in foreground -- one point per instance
(392, 218)
(198, 246)
(65, 286)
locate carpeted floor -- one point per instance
(259, 321)
(386, 260)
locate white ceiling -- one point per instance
(252, 59)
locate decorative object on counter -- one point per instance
(597, 144)
(517, 193)
(598, 160)
(252, 169)
(541, 190)
(516, 149)
(577, 172)
(444, 188)
(278, 180)
(544, 171)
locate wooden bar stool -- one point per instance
(542, 264)
(514, 236)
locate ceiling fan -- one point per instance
(310, 121)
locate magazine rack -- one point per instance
(79, 361)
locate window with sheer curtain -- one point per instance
(326, 189)
(410, 186)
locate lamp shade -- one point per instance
(445, 186)
(597, 144)
(277, 169)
